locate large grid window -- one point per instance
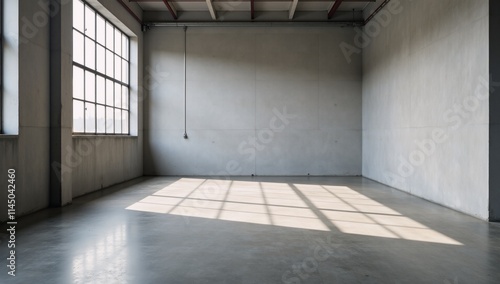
(100, 74)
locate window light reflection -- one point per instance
(301, 206)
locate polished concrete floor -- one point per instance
(253, 230)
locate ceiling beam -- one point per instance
(171, 9)
(212, 10)
(292, 9)
(334, 9)
(130, 11)
(376, 11)
(306, 1)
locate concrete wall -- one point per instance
(104, 161)
(101, 161)
(25, 149)
(425, 101)
(240, 82)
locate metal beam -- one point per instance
(292, 9)
(171, 9)
(376, 11)
(306, 1)
(212, 10)
(253, 24)
(332, 11)
(130, 11)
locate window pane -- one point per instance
(125, 75)
(89, 53)
(125, 98)
(78, 15)
(118, 121)
(78, 47)
(101, 119)
(89, 117)
(109, 120)
(109, 93)
(110, 35)
(78, 89)
(118, 45)
(89, 22)
(101, 30)
(109, 63)
(78, 113)
(118, 95)
(101, 90)
(101, 59)
(125, 122)
(125, 45)
(89, 86)
(118, 68)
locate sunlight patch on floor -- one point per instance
(301, 206)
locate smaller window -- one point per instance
(1, 66)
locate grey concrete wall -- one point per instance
(27, 152)
(101, 161)
(238, 79)
(425, 101)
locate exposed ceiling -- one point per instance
(258, 10)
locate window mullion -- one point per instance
(95, 76)
(84, 61)
(114, 85)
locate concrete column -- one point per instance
(61, 102)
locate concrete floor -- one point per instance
(253, 230)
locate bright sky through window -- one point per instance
(100, 74)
